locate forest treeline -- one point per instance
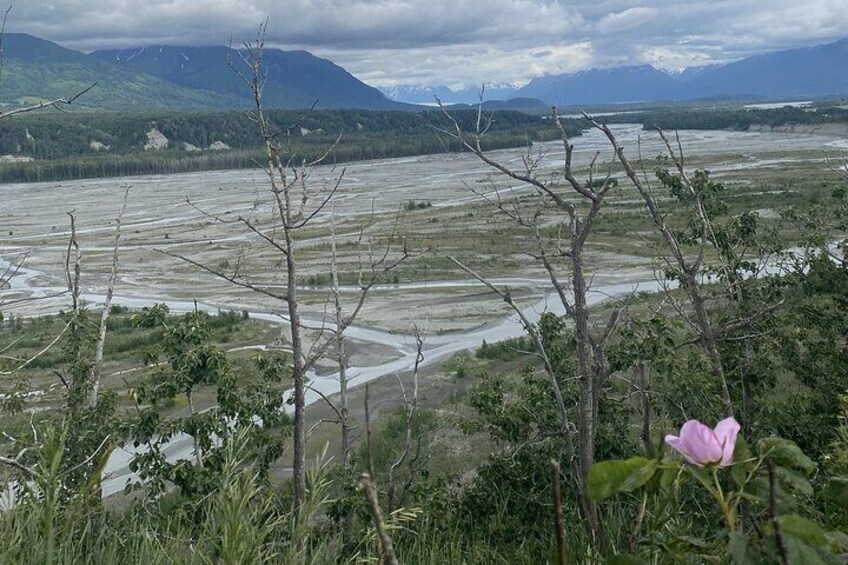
(93, 145)
(758, 474)
(739, 119)
(70, 146)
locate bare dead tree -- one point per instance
(284, 176)
(288, 184)
(73, 272)
(407, 455)
(376, 267)
(690, 269)
(97, 365)
(295, 207)
(578, 217)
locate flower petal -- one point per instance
(675, 443)
(700, 442)
(726, 432)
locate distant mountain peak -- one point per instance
(820, 70)
(192, 77)
(37, 69)
(422, 94)
(175, 77)
(296, 78)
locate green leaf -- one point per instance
(624, 559)
(802, 528)
(741, 465)
(800, 553)
(611, 477)
(837, 490)
(695, 542)
(738, 548)
(741, 451)
(795, 482)
(786, 453)
(838, 541)
(668, 474)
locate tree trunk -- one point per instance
(642, 373)
(340, 346)
(299, 376)
(588, 397)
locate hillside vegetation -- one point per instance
(174, 78)
(740, 119)
(74, 146)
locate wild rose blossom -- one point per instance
(703, 446)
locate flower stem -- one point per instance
(726, 510)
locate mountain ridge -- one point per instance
(175, 78)
(296, 79)
(35, 70)
(815, 71)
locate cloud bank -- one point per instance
(453, 42)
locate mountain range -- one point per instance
(427, 95)
(817, 71)
(295, 79)
(175, 78)
(200, 78)
(35, 70)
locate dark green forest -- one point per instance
(67, 146)
(739, 119)
(91, 145)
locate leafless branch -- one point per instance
(90, 458)
(47, 348)
(506, 296)
(229, 278)
(14, 463)
(411, 406)
(57, 103)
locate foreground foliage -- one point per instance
(754, 337)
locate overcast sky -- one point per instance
(453, 42)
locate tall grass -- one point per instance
(245, 521)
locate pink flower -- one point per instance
(702, 446)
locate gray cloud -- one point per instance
(627, 19)
(455, 42)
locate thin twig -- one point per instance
(49, 104)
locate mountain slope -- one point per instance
(427, 94)
(296, 79)
(812, 71)
(602, 86)
(821, 70)
(532, 106)
(36, 70)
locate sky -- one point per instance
(452, 42)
